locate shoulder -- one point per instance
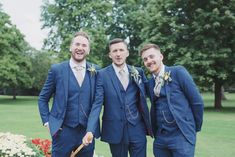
(179, 72)
(105, 69)
(60, 65)
(97, 67)
(176, 69)
(133, 68)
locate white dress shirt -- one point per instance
(78, 67)
(122, 74)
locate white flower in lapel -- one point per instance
(166, 78)
(135, 75)
(92, 69)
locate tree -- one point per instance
(127, 22)
(104, 20)
(64, 18)
(197, 34)
(14, 64)
(41, 61)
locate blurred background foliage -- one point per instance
(199, 35)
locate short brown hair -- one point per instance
(83, 34)
(148, 46)
(116, 40)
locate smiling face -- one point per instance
(79, 48)
(118, 53)
(152, 59)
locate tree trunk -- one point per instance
(14, 94)
(218, 95)
(223, 94)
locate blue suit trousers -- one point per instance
(67, 140)
(172, 144)
(134, 141)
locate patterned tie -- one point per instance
(79, 75)
(158, 85)
(124, 78)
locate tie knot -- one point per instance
(122, 72)
(79, 68)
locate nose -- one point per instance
(118, 53)
(79, 47)
(147, 62)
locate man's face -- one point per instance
(152, 60)
(79, 48)
(118, 53)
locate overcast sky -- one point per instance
(25, 14)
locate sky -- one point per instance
(25, 14)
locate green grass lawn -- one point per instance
(217, 138)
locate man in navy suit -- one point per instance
(72, 85)
(176, 106)
(120, 89)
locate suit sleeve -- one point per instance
(192, 94)
(93, 119)
(45, 95)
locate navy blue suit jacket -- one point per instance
(184, 101)
(56, 86)
(108, 94)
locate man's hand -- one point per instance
(87, 139)
(47, 126)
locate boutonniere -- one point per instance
(135, 75)
(92, 69)
(166, 78)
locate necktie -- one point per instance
(79, 74)
(157, 87)
(124, 78)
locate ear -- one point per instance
(162, 57)
(88, 52)
(110, 56)
(127, 53)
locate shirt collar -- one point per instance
(74, 64)
(117, 69)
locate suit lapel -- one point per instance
(167, 87)
(65, 70)
(151, 87)
(115, 82)
(91, 79)
(137, 83)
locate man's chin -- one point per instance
(151, 70)
(119, 64)
(80, 59)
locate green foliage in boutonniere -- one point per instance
(135, 75)
(92, 69)
(166, 78)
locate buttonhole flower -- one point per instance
(92, 69)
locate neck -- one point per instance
(120, 66)
(78, 62)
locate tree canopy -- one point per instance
(14, 64)
(196, 34)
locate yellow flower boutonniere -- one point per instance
(166, 78)
(135, 75)
(92, 69)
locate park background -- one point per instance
(199, 35)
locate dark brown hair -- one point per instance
(83, 34)
(115, 41)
